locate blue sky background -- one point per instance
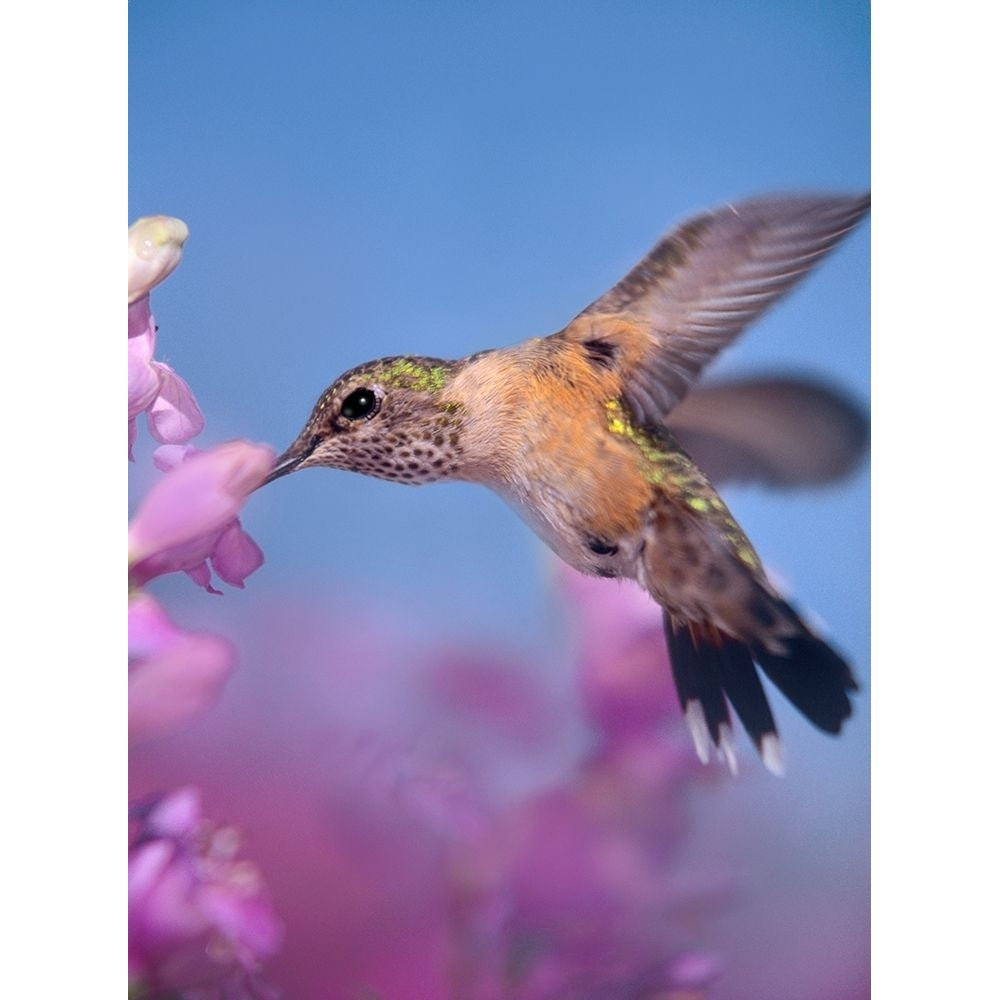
(371, 179)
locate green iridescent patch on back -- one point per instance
(653, 451)
(668, 466)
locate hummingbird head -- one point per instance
(387, 418)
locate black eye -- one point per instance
(359, 404)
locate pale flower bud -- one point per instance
(155, 244)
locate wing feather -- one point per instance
(781, 431)
(702, 284)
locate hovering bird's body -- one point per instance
(573, 430)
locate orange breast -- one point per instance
(570, 467)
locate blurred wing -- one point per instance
(701, 285)
(776, 431)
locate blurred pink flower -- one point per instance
(173, 415)
(589, 899)
(624, 669)
(173, 675)
(189, 518)
(199, 918)
(421, 843)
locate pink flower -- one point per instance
(198, 916)
(588, 899)
(199, 921)
(189, 518)
(427, 841)
(172, 413)
(173, 675)
(624, 668)
(154, 388)
(143, 378)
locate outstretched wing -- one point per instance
(701, 285)
(779, 431)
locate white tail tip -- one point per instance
(772, 754)
(727, 749)
(694, 715)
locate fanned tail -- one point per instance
(813, 678)
(713, 670)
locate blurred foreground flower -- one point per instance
(189, 518)
(172, 675)
(154, 250)
(421, 843)
(624, 673)
(199, 918)
(587, 899)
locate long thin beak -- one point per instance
(286, 463)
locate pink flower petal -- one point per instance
(199, 915)
(176, 684)
(149, 629)
(167, 456)
(145, 866)
(695, 969)
(174, 416)
(143, 378)
(246, 921)
(236, 555)
(178, 815)
(202, 576)
(140, 320)
(190, 558)
(197, 497)
(173, 675)
(233, 554)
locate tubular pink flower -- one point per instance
(143, 379)
(188, 509)
(173, 675)
(199, 917)
(155, 245)
(154, 388)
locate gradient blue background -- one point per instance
(371, 179)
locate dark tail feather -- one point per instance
(813, 678)
(698, 669)
(710, 667)
(746, 693)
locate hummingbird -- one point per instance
(576, 431)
